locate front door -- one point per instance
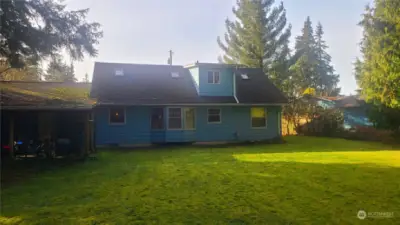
(157, 125)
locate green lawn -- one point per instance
(306, 181)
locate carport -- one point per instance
(58, 111)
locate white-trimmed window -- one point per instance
(214, 115)
(190, 118)
(179, 118)
(213, 77)
(117, 115)
(174, 118)
(258, 117)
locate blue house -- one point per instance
(140, 104)
(354, 109)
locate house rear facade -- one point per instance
(140, 104)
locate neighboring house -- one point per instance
(355, 111)
(354, 108)
(204, 102)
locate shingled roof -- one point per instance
(44, 95)
(257, 89)
(154, 84)
(147, 84)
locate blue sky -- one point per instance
(143, 31)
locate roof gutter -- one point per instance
(193, 104)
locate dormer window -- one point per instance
(213, 77)
(244, 76)
(174, 74)
(119, 72)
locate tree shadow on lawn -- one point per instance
(242, 191)
(17, 171)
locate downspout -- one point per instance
(234, 88)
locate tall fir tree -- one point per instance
(378, 73)
(304, 69)
(86, 78)
(312, 64)
(70, 75)
(41, 28)
(58, 71)
(258, 37)
(327, 78)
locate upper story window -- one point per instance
(213, 77)
(117, 115)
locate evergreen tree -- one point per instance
(58, 71)
(327, 79)
(86, 78)
(312, 64)
(40, 28)
(304, 71)
(31, 71)
(258, 38)
(70, 75)
(378, 75)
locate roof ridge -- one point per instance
(139, 64)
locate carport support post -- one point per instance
(87, 134)
(11, 136)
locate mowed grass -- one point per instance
(306, 181)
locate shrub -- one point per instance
(324, 123)
(371, 134)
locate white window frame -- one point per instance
(109, 117)
(184, 118)
(266, 119)
(220, 116)
(214, 72)
(168, 117)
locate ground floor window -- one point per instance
(117, 115)
(190, 119)
(258, 117)
(214, 116)
(174, 118)
(179, 118)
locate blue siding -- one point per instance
(136, 129)
(200, 77)
(355, 117)
(235, 125)
(326, 104)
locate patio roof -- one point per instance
(45, 95)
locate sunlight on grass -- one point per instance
(305, 181)
(381, 158)
(10, 221)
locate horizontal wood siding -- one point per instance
(136, 129)
(224, 88)
(235, 126)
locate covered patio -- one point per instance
(58, 113)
